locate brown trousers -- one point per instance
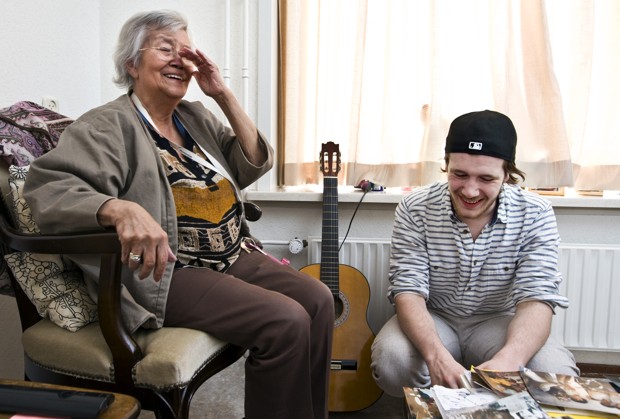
(284, 317)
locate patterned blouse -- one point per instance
(208, 212)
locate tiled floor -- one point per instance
(387, 407)
(221, 397)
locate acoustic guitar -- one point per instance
(351, 385)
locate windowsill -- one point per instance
(611, 199)
(285, 196)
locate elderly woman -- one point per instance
(167, 175)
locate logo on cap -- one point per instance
(474, 145)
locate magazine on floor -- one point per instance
(420, 404)
(450, 400)
(576, 393)
(518, 406)
(503, 383)
(518, 394)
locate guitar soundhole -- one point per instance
(342, 308)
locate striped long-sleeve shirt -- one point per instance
(514, 259)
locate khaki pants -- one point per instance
(396, 363)
(284, 317)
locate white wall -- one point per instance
(64, 48)
(51, 48)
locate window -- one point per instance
(384, 79)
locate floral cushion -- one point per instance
(56, 287)
(27, 131)
(54, 284)
(6, 287)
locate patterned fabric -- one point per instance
(19, 207)
(208, 213)
(54, 285)
(28, 131)
(209, 234)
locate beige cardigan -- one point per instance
(108, 153)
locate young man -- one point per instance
(474, 269)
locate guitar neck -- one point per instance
(329, 242)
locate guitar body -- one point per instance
(350, 389)
(351, 385)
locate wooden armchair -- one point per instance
(161, 368)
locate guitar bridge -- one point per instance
(344, 364)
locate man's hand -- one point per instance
(446, 371)
(527, 333)
(417, 323)
(499, 363)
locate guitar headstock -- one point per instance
(330, 159)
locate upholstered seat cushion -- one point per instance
(171, 355)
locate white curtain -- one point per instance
(384, 79)
(585, 36)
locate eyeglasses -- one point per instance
(167, 53)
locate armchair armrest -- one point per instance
(125, 350)
(252, 211)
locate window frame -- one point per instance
(267, 84)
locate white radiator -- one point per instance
(591, 283)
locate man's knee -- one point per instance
(391, 377)
(394, 367)
(555, 358)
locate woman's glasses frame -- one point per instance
(167, 53)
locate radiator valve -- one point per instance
(296, 245)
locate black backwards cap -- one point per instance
(487, 133)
